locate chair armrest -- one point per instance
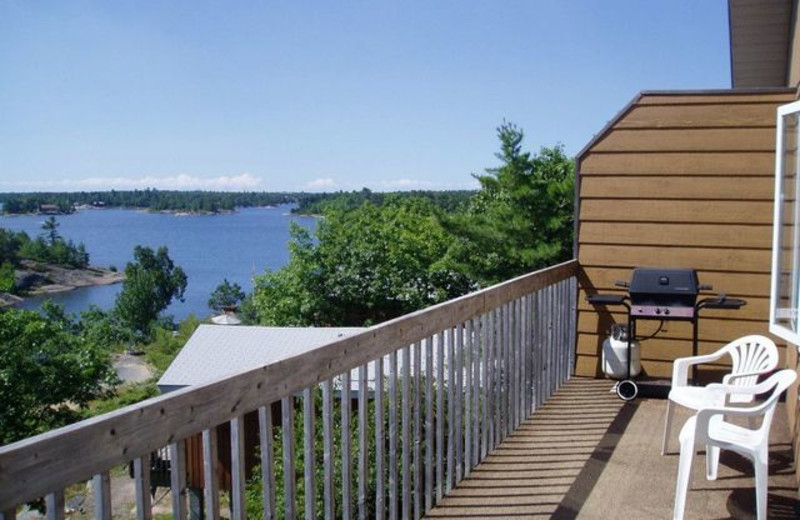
(704, 416)
(680, 367)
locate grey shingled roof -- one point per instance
(215, 351)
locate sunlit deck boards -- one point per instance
(530, 473)
(586, 455)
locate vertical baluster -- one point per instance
(562, 319)
(504, 386)
(9, 514)
(494, 402)
(363, 442)
(459, 383)
(393, 435)
(309, 469)
(417, 430)
(556, 335)
(485, 385)
(54, 502)
(551, 340)
(210, 479)
(379, 442)
(238, 478)
(287, 419)
(475, 347)
(267, 464)
(429, 376)
(405, 440)
(528, 355)
(451, 390)
(440, 416)
(539, 346)
(514, 364)
(519, 371)
(573, 329)
(177, 461)
(329, 499)
(523, 360)
(141, 482)
(345, 398)
(101, 487)
(500, 381)
(469, 418)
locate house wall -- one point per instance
(679, 180)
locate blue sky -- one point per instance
(325, 96)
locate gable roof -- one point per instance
(216, 351)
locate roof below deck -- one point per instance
(216, 351)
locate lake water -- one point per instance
(208, 248)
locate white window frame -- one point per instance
(776, 328)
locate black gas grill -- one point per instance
(661, 294)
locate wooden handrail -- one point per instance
(38, 465)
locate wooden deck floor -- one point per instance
(586, 455)
(530, 473)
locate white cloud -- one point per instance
(318, 184)
(407, 184)
(244, 181)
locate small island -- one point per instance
(46, 264)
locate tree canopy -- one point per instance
(226, 294)
(363, 266)
(152, 281)
(521, 219)
(48, 372)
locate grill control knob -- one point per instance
(666, 312)
(658, 311)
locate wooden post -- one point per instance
(429, 376)
(177, 459)
(363, 442)
(267, 463)
(345, 399)
(380, 492)
(405, 433)
(417, 430)
(141, 482)
(287, 429)
(327, 447)
(238, 477)
(440, 417)
(101, 487)
(54, 502)
(309, 469)
(393, 436)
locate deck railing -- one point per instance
(449, 383)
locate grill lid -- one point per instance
(664, 287)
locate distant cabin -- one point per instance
(49, 209)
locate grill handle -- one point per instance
(622, 283)
(705, 287)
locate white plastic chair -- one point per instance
(751, 356)
(710, 426)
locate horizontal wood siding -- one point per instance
(679, 180)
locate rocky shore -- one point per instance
(37, 278)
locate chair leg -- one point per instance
(762, 481)
(684, 477)
(667, 428)
(712, 462)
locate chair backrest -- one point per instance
(750, 354)
(781, 381)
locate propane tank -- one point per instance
(615, 354)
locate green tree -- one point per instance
(48, 373)
(226, 295)
(8, 280)
(521, 219)
(50, 228)
(152, 282)
(363, 266)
